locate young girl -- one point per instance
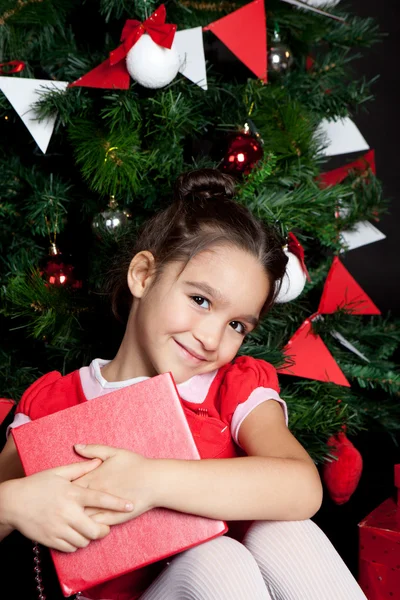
(198, 280)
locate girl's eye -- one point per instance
(199, 301)
(242, 329)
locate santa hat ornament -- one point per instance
(296, 273)
(151, 57)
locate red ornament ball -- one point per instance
(244, 151)
(341, 476)
(57, 271)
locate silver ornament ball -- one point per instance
(280, 57)
(112, 220)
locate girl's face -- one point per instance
(194, 322)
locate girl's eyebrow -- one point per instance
(216, 294)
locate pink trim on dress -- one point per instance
(93, 383)
(19, 419)
(196, 388)
(257, 396)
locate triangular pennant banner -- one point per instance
(341, 290)
(342, 137)
(338, 175)
(22, 93)
(361, 234)
(346, 344)
(189, 43)
(310, 358)
(105, 76)
(244, 32)
(312, 5)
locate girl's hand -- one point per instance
(123, 473)
(48, 508)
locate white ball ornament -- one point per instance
(293, 281)
(151, 65)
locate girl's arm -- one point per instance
(10, 468)
(276, 481)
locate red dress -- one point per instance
(210, 424)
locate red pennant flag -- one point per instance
(105, 76)
(310, 357)
(338, 175)
(341, 290)
(244, 32)
(5, 407)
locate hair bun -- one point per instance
(203, 184)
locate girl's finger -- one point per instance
(90, 529)
(76, 539)
(109, 518)
(78, 469)
(90, 511)
(97, 499)
(63, 546)
(95, 451)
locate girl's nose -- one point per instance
(209, 334)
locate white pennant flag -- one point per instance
(348, 345)
(323, 3)
(22, 93)
(342, 137)
(189, 43)
(313, 6)
(363, 233)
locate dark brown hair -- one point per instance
(202, 215)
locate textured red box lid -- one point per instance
(380, 535)
(5, 407)
(148, 418)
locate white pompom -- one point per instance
(293, 281)
(152, 65)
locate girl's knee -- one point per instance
(222, 549)
(283, 537)
(218, 558)
(284, 530)
(221, 568)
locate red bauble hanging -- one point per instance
(57, 271)
(243, 153)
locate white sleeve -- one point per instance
(257, 396)
(19, 419)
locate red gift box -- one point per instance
(379, 560)
(5, 407)
(148, 418)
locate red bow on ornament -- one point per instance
(297, 249)
(161, 33)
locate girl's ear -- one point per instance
(141, 273)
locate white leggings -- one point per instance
(278, 560)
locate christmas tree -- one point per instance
(134, 102)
